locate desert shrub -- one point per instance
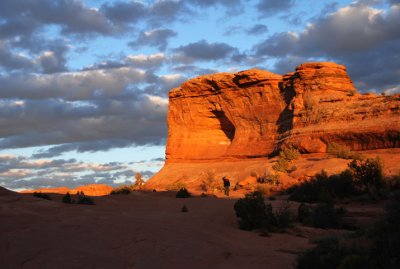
(183, 193)
(281, 165)
(324, 188)
(304, 214)
(263, 188)
(342, 152)
(386, 237)
(289, 153)
(67, 199)
(41, 195)
(369, 174)
(376, 248)
(85, 200)
(323, 215)
(209, 183)
(253, 213)
(121, 190)
(283, 216)
(330, 253)
(269, 178)
(176, 186)
(326, 215)
(393, 182)
(286, 156)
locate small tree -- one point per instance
(369, 174)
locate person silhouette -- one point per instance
(227, 185)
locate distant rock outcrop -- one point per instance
(91, 190)
(253, 113)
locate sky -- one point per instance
(84, 83)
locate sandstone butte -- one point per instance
(229, 123)
(91, 190)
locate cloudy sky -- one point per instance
(84, 83)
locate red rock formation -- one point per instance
(91, 190)
(224, 115)
(251, 114)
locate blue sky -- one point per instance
(84, 84)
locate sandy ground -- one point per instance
(148, 230)
(141, 230)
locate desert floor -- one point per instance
(147, 230)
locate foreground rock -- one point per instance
(252, 114)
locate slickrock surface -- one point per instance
(144, 230)
(91, 190)
(228, 117)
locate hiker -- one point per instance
(227, 184)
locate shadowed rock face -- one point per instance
(252, 113)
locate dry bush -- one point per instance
(176, 186)
(209, 182)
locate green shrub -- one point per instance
(321, 216)
(286, 156)
(85, 200)
(121, 190)
(340, 151)
(283, 216)
(289, 153)
(393, 182)
(281, 165)
(379, 248)
(327, 216)
(369, 174)
(183, 193)
(253, 213)
(304, 214)
(41, 195)
(331, 254)
(386, 237)
(343, 152)
(67, 199)
(324, 188)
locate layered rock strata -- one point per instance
(251, 114)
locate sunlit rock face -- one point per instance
(230, 123)
(252, 113)
(224, 115)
